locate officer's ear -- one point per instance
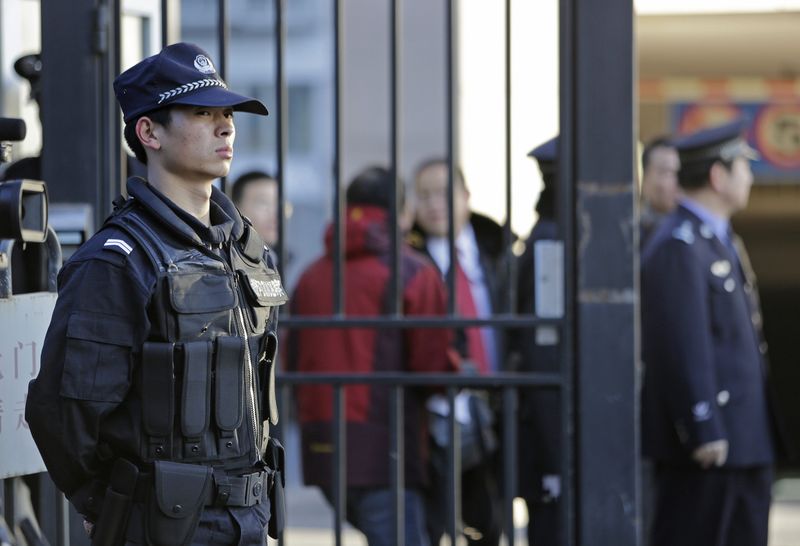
(718, 175)
(147, 134)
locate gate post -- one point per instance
(598, 124)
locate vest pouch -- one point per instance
(196, 397)
(173, 509)
(228, 393)
(263, 289)
(202, 300)
(158, 406)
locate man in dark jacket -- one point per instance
(707, 416)
(479, 258)
(539, 350)
(153, 403)
(359, 350)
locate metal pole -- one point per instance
(511, 262)
(510, 408)
(397, 461)
(606, 314)
(281, 125)
(339, 461)
(338, 196)
(223, 37)
(566, 222)
(452, 145)
(454, 474)
(395, 14)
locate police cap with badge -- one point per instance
(181, 73)
(699, 150)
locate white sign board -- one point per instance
(23, 324)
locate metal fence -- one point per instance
(596, 190)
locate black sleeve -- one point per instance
(99, 320)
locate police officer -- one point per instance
(707, 418)
(153, 403)
(539, 425)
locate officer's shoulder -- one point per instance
(112, 245)
(675, 236)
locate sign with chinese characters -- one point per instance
(23, 324)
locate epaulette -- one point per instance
(684, 232)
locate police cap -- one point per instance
(29, 67)
(546, 155)
(181, 73)
(723, 142)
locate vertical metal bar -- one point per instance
(339, 461)
(510, 443)
(283, 434)
(395, 14)
(119, 166)
(605, 304)
(223, 37)
(281, 126)
(566, 222)
(397, 461)
(164, 23)
(454, 474)
(452, 146)
(9, 502)
(510, 266)
(338, 197)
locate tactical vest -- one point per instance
(206, 375)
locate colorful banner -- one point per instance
(774, 132)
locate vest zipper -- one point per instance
(251, 393)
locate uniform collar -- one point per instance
(719, 226)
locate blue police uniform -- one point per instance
(156, 391)
(706, 375)
(539, 424)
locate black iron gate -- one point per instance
(599, 327)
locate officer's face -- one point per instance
(431, 212)
(736, 183)
(198, 144)
(660, 179)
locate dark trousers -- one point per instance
(716, 507)
(481, 507)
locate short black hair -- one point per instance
(373, 187)
(162, 116)
(435, 162)
(658, 142)
(241, 183)
(696, 174)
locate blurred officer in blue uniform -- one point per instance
(707, 415)
(539, 423)
(153, 404)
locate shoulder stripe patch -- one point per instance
(120, 244)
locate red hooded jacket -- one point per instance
(364, 350)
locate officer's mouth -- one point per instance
(226, 152)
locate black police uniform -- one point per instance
(705, 376)
(156, 391)
(161, 348)
(539, 423)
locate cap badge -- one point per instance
(721, 268)
(204, 64)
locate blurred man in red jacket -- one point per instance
(367, 288)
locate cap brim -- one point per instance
(219, 97)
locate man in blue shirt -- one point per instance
(707, 416)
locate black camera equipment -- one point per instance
(23, 203)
